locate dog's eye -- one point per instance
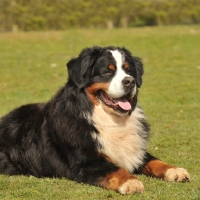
(128, 70)
(108, 72)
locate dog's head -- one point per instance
(110, 75)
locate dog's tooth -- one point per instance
(110, 98)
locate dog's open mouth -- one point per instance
(122, 104)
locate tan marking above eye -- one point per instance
(126, 66)
(111, 67)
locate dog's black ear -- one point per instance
(80, 68)
(139, 70)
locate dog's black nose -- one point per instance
(128, 82)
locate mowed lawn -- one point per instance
(32, 68)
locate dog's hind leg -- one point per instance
(7, 166)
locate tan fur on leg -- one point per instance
(123, 182)
(167, 172)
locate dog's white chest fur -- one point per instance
(120, 137)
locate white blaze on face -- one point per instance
(116, 89)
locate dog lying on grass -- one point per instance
(91, 131)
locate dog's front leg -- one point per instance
(157, 168)
(105, 174)
(122, 181)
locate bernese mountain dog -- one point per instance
(91, 131)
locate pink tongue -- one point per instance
(123, 103)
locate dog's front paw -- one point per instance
(131, 186)
(177, 174)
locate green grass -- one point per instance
(32, 68)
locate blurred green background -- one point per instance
(63, 14)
